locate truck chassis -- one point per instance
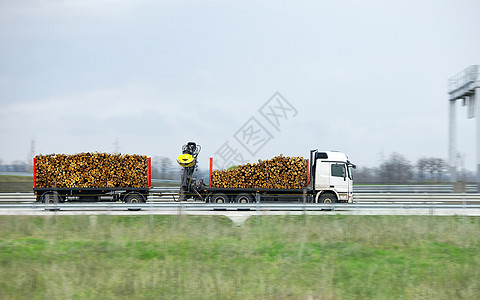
(252, 195)
(114, 194)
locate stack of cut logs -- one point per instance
(91, 170)
(277, 173)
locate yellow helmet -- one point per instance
(186, 160)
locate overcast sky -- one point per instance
(364, 77)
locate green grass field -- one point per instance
(14, 184)
(291, 257)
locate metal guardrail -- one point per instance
(357, 189)
(183, 206)
(393, 188)
(28, 196)
(380, 188)
(358, 197)
(417, 198)
(411, 188)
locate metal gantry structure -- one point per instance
(464, 86)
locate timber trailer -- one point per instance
(54, 194)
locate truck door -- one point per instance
(339, 180)
(322, 175)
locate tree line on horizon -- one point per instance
(396, 169)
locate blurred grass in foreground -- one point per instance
(289, 257)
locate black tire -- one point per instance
(328, 198)
(220, 198)
(134, 199)
(51, 198)
(243, 198)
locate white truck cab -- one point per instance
(332, 178)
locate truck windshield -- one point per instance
(350, 172)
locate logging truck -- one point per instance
(329, 180)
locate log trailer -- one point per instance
(53, 194)
(329, 180)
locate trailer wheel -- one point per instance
(51, 198)
(134, 198)
(220, 198)
(243, 198)
(328, 198)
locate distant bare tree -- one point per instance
(421, 168)
(439, 168)
(430, 168)
(162, 168)
(435, 167)
(396, 169)
(365, 175)
(165, 168)
(156, 166)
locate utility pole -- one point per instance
(116, 147)
(31, 155)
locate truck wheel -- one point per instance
(328, 198)
(243, 198)
(134, 198)
(220, 198)
(51, 198)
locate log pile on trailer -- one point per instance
(277, 173)
(91, 170)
